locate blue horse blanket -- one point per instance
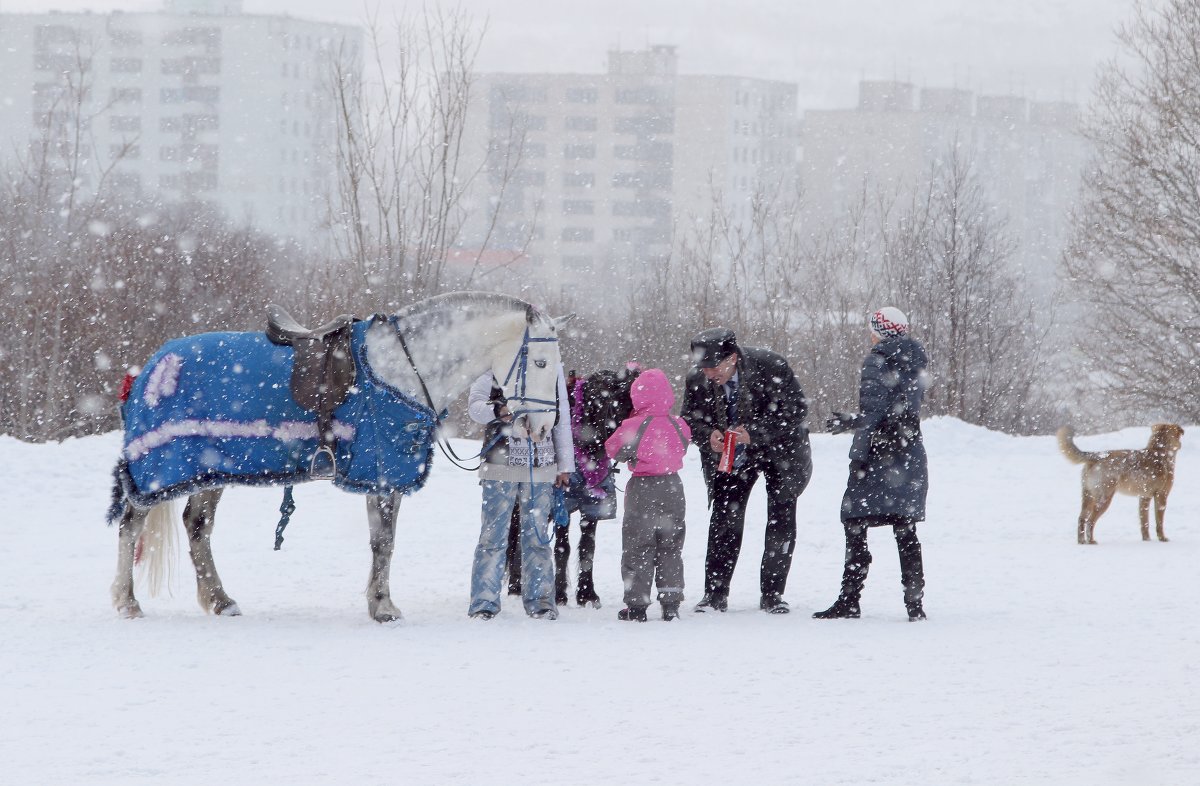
(215, 409)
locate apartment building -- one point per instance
(594, 174)
(1028, 156)
(198, 101)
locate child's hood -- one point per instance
(652, 394)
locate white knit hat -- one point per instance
(889, 322)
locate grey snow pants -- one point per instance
(652, 534)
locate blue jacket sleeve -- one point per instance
(874, 397)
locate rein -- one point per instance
(520, 366)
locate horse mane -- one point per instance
(487, 301)
(606, 402)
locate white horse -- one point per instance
(430, 352)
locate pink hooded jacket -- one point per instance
(660, 451)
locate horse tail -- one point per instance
(155, 551)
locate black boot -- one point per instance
(712, 602)
(632, 614)
(912, 571)
(670, 611)
(854, 574)
(562, 558)
(842, 609)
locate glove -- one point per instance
(839, 422)
(858, 468)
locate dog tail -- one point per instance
(1067, 445)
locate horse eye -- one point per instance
(539, 363)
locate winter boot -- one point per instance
(670, 611)
(842, 609)
(632, 614)
(854, 575)
(773, 604)
(712, 602)
(912, 571)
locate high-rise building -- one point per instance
(200, 101)
(1027, 156)
(610, 164)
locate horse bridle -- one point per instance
(519, 366)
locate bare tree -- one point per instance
(948, 261)
(1134, 260)
(404, 175)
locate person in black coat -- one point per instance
(889, 472)
(753, 394)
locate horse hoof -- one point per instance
(130, 612)
(228, 610)
(384, 619)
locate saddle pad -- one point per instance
(216, 409)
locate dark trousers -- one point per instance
(858, 559)
(729, 495)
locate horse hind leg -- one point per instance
(133, 521)
(198, 519)
(381, 515)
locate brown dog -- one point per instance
(1144, 474)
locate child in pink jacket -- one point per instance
(654, 442)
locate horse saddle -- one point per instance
(322, 370)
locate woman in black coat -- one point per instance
(889, 472)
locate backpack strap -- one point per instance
(679, 431)
(629, 451)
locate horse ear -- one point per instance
(560, 321)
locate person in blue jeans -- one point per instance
(522, 473)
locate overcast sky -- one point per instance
(1045, 49)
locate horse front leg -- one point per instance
(198, 519)
(381, 514)
(132, 523)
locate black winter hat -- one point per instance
(710, 347)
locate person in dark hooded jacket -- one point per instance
(889, 473)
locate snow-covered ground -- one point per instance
(1043, 662)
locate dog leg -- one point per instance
(1160, 512)
(1144, 516)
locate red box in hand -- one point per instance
(728, 449)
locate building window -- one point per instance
(579, 179)
(124, 38)
(578, 235)
(518, 94)
(534, 149)
(125, 95)
(577, 262)
(582, 95)
(126, 65)
(581, 124)
(125, 123)
(640, 95)
(578, 207)
(576, 152)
